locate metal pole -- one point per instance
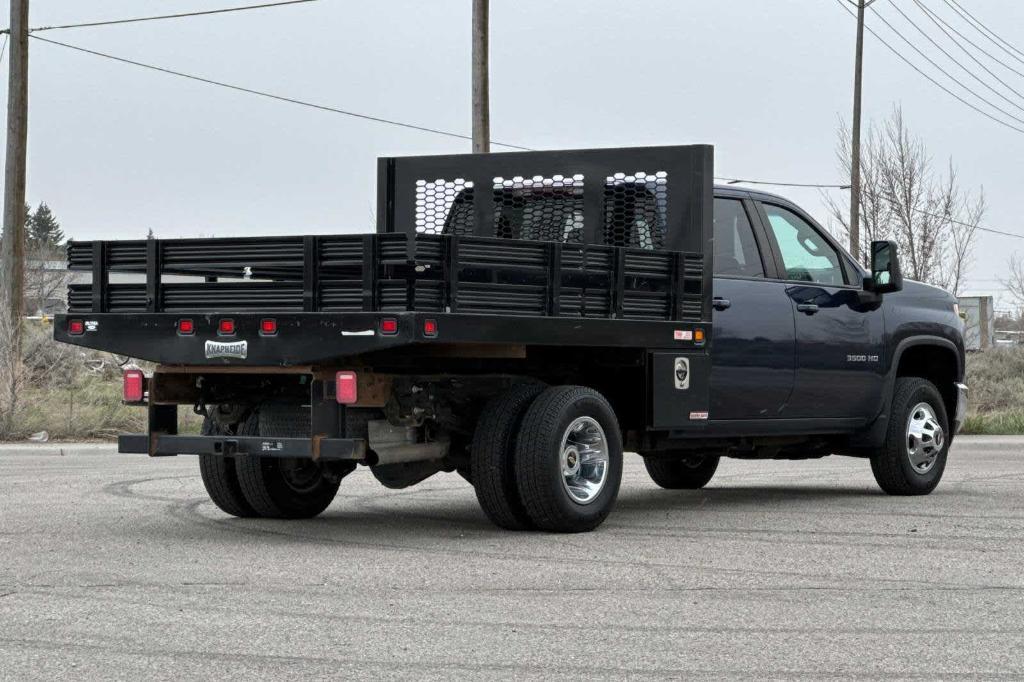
(481, 84)
(12, 256)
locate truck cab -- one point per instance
(801, 345)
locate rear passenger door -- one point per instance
(838, 329)
(753, 347)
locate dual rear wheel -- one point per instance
(549, 459)
(266, 487)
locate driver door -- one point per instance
(839, 330)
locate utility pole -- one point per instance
(858, 69)
(481, 79)
(12, 256)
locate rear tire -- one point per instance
(913, 458)
(493, 452)
(686, 473)
(568, 460)
(283, 488)
(221, 479)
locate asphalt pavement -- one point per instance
(118, 567)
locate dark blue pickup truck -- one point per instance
(524, 319)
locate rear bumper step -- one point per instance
(325, 449)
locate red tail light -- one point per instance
(186, 327)
(429, 327)
(268, 326)
(346, 388)
(76, 327)
(226, 327)
(134, 382)
(389, 325)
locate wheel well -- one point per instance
(938, 365)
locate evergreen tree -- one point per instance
(43, 229)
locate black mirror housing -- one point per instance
(886, 275)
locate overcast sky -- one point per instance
(116, 150)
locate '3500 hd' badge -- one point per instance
(227, 349)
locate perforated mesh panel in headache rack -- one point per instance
(635, 209)
(551, 208)
(540, 208)
(445, 206)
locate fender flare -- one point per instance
(920, 340)
(873, 434)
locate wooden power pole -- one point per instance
(481, 78)
(858, 69)
(12, 257)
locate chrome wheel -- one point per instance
(584, 459)
(924, 438)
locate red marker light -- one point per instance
(226, 327)
(133, 385)
(346, 388)
(429, 327)
(268, 327)
(389, 325)
(76, 327)
(186, 327)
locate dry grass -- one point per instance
(73, 393)
(995, 379)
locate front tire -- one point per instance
(683, 473)
(913, 458)
(279, 488)
(568, 460)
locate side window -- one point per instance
(805, 254)
(736, 251)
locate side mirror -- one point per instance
(886, 275)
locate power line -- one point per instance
(985, 30)
(956, 61)
(167, 16)
(3, 49)
(1015, 235)
(948, 75)
(970, 42)
(268, 95)
(835, 186)
(929, 78)
(734, 181)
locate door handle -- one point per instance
(807, 308)
(720, 303)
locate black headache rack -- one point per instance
(585, 240)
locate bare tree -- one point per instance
(962, 238)
(903, 198)
(46, 277)
(875, 214)
(1014, 281)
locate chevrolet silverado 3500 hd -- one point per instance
(523, 319)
